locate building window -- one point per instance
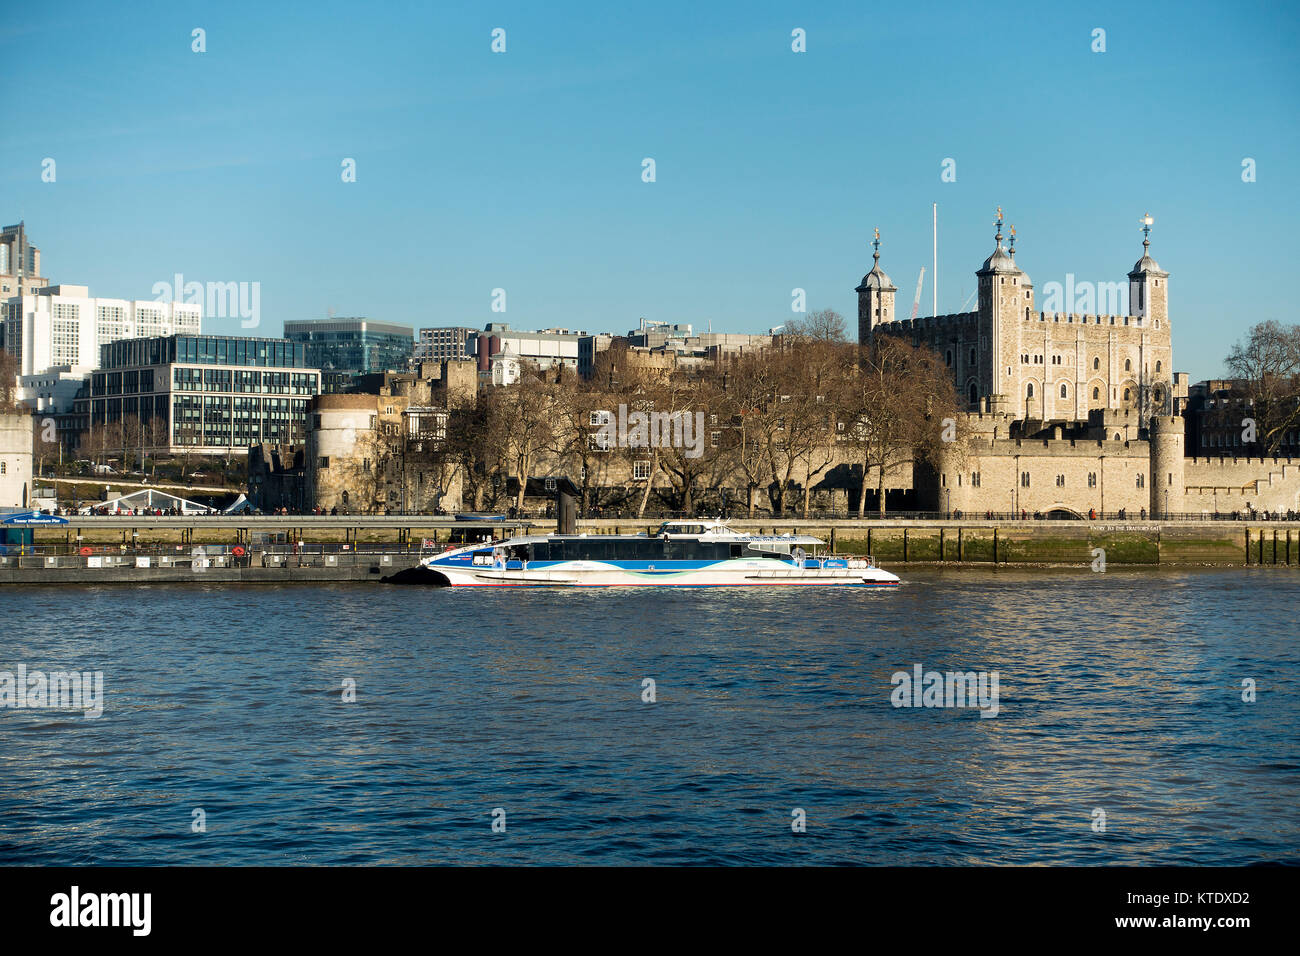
(1096, 364)
(1096, 394)
(1128, 365)
(1029, 390)
(1157, 368)
(1141, 480)
(1092, 479)
(975, 479)
(1063, 391)
(1126, 394)
(1024, 479)
(2, 467)
(324, 461)
(947, 358)
(972, 356)
(1060, 481)
(640, 471)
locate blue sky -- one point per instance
(522, 170)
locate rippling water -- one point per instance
(1119, 691)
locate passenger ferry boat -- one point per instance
(679, 554)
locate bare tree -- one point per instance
(578, 408)
(525, 409)
(8, 382)
(1268, 365)
(825, 326)
(747, 404)
(903, 407)
(157, 440)
(474, 442)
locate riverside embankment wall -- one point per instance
(146, 550)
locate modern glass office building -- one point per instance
(207, 393)
(355, 346)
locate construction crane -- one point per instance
(916, 302)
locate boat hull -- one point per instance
(598, 574)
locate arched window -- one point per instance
(1029, 392)
(972, 356)
(1063, 391)
(1096, 364)
(1126, 394)
(974, 394)
(1096, 394)
(1128, 366)
(947, 358)
(1157, 368)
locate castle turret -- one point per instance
(1004, 295)
(1148, 285)
(875, 297)
(1167, 482)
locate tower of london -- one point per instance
(1042, 368)
(1067, 414)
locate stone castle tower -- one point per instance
(875, 297)
(1044, 368)
(1167, 464)
(1005, 294)
(1148, 286)
(1066, 411)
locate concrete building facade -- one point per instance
(441, 344)
(355, 346)
(56, 334)
(20, 263)
(209, 394)
(16, 446)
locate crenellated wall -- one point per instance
(1238, 484)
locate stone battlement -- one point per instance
(1226, 462)
(931, 321)
(1063, 447)
(1075, 318)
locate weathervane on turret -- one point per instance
(876, 245)
(1146, 232)
(998, 237)
(1012, 248)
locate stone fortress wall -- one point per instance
(1071, 412)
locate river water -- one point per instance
(1119, 693)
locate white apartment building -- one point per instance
(56, 332)
(544, 349)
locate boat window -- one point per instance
(736, 550)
